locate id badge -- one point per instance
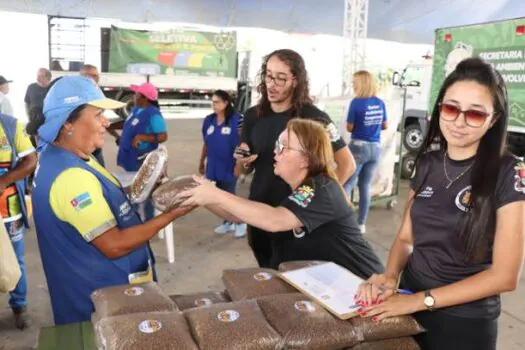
(226, 130)
(142, 276)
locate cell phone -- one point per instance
(243, 152)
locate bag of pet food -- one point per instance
(407, 343)
(304, 324)
(237, 325)
(164, 196)
(129, 299)
(391, 327)
(298, 264)
(191, 301)
(251, 283)
(150, 174)
(140, 331)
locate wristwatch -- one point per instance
(429, 301)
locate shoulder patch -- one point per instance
(81, 201)
(333, 132)
(519, 177)
(302, 196)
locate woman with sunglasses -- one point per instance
(461, 240)
(323, 224)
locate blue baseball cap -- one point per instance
(66, 95)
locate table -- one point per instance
(126, 178)
(74, 336)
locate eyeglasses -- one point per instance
(280, 147)
(278, 81)
(473, 118)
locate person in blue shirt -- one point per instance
(142, 132)
(366, 119)
(220, 131)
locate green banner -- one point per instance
(173, 52)
(502, 44)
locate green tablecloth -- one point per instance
(67, 337)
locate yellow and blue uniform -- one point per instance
(15, 144)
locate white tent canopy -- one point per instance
(398, 20)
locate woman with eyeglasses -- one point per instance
(220, 131)
(461, 240)
(317, 211)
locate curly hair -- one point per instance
(301, 92)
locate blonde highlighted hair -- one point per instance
(365, 84)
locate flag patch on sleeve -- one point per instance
(81, 201)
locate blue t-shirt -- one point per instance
(367, 114)
(221, 141)
(156, 125)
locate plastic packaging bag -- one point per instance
(164, 196)
(9, 268)
(190, 301)
(406, 343)
(296, 265)
(253, 283)
(304, 324)
(391, 327)
(238, 325)
(152, 171)
(152, 330)
(129, 299)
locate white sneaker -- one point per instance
(362, 228)
(240, 230)
(225, 228)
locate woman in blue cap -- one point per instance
(88, 233)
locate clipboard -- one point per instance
(330, 285)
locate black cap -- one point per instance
(4, 80)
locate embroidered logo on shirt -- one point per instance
(464, 199)
(4, 144)
(81, 201)
(519, 177)
(333, 132)
(125, 208)
(302, 196)
(428, 192)
(210, 130)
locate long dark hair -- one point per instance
(301, 92)
(230, 109)
(478, 225)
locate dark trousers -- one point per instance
(449, 332)
(261, 243)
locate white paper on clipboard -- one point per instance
(330, 285)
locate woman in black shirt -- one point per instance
(461, 240)
(324, 226)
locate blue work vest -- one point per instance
(128, 157)
(75, 268)
(220, 141)
(9, 124)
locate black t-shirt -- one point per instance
(438, 258)
(35, 95)
(260, 133)
(330, 230)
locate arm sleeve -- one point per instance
(205, 125)
(351, 113)
(27, 99)
(511, 183)
(333, 131)
(76, 197)
(158, 124)
(23, 145)
(240, 122)
(385, 118)
(249, 120)
(315, 204)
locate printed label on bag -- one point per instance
(304, 306)
(262, 276)
(203, 302)
(228, 316)
(134, 291)
(150, 326)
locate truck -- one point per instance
(500, 43)
(186, 65)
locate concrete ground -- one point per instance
(201, 255)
